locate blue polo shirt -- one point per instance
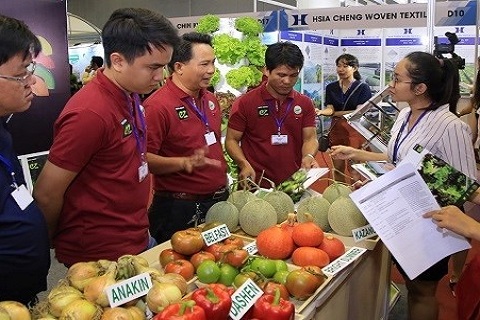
(24, 245)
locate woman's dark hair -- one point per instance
(183, 51)
(440, 76)
(352, 61)
(132, 31)
(283, 53)
(97, 60)
(476, 92)
(15, 38)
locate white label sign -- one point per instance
(363, 233)
(251, 248)
(244, 298)
(343, 261)
(129, 289)
(216, 234)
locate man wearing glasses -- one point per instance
(24, 247)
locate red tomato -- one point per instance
(168, 255)
(302, 284)
(235, 257)
(270, 287)
(237, 241)
(187, 242)
(201, 256)
(182, 267)
(215, 250)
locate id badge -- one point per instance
(22, 197)
(278, 139)
(210, 138)
(142, 172)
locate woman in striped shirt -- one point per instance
(431, 88)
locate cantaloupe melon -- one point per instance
(336, 190)
(257, 215)
(223, 212)
(240, 197)
(318, 207)
(281, 202)
(344, 216)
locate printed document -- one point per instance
(394, 204)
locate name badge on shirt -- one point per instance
(142, 171)
(278, 139)
(22, 197)
(210, 138)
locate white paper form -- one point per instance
(394, 204)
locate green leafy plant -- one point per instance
(255, 51)
(228, 50)
(245, 76)
(215, 78)
(208, 24)
(248, 26)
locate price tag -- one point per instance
(363, 233)
(343, 261)
(216, 234)
(129, 289)
(244, 298)
(251, 248)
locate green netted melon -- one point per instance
(223, 212)
(281, 202)
(257, 215)
(336, 190)
(344, 216)
(240, 197)
(318, 208)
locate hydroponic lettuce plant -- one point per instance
(255, 51)
(228, 50)
(248, 26)
(208, 24)
(245, 76)
(215, 78)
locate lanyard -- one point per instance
(141, 142)
(199, 111)
(10, 169)
(278, 121)
(399, 142)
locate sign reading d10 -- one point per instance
(216, 234)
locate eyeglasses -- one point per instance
(23, 80)
(395, 80)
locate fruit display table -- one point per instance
(360, 291)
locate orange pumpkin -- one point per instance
(334, 247)
(308, 256)
(307, 234)
(275, 243)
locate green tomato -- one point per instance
(208, 272)
(281, 265)
(281, 276)
(227, 274)
(266, 267)
(242, 277)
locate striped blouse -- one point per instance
(441, 132)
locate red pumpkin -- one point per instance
(334, 247)
(308, 256)
(275, 243)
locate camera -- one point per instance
(448, 48)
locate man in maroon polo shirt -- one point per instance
(184, 148)
(271, 130)
(94, 188)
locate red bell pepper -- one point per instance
(215, 300)
(273, 307)
(184, 310)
